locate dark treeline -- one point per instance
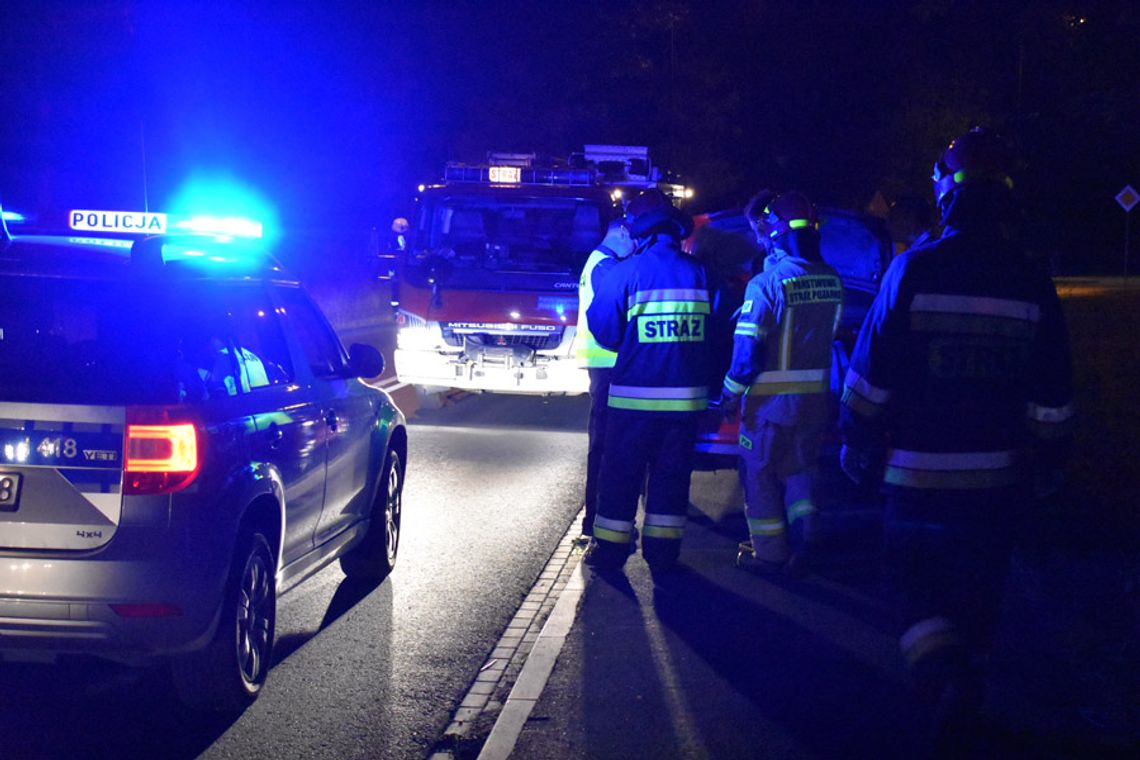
(340, 112)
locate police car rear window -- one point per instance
(111, 342)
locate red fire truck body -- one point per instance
(487, 290)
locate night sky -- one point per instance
(335, 111)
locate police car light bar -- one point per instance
(232, 226)
(150, 223)
(5, 217)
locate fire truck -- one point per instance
(486, 285)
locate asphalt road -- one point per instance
(493, 483)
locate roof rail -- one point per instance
(148, 253)
(521, 160)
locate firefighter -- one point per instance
(754, 213)
(653, 310)
(599, 362)
(909, 222)
(398, 241)
(781, 368)
(959, 388)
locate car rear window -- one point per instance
(116, 342)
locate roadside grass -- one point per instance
(1104, 328)
(1084, 545)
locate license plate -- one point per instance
(9, 491)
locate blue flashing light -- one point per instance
(13, 216)
(227, 226)
(221, 205)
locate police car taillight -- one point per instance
(161, 457)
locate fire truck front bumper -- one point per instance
(495, 372)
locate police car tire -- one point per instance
(218, 678)
(375, 556)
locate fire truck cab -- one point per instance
(486, 290)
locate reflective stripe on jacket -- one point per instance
(783, 341)
(586, 348)
(962, 364)
(653, 309)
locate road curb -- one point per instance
(529, 646)
(536, 672)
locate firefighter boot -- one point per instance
(950, 682)
(805, 543)
(607, 556)
(746, 559)
(957, 717)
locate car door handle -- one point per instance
(276, 436)
(330, 418)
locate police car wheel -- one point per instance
(375, 556)
(227, 675)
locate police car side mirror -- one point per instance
(364, 361)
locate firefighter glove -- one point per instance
(729, 407)
(855, 463)
(1047, 482)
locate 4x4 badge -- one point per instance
(9, 491)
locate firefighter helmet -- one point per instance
(652, 212)
(754, 211)
(980, 155)
(789, 211)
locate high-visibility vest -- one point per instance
(590, 355)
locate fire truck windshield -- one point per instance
(515, 235)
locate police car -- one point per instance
(182, 439)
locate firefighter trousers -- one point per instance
(778, 465)
(599, 408)
(947, 555)
(654, 449)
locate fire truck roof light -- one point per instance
(507, 175)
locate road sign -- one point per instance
(1127, 198)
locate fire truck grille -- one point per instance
(537, 342)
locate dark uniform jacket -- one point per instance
(962, 363)
(654, 310)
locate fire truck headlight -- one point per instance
(419, 337)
